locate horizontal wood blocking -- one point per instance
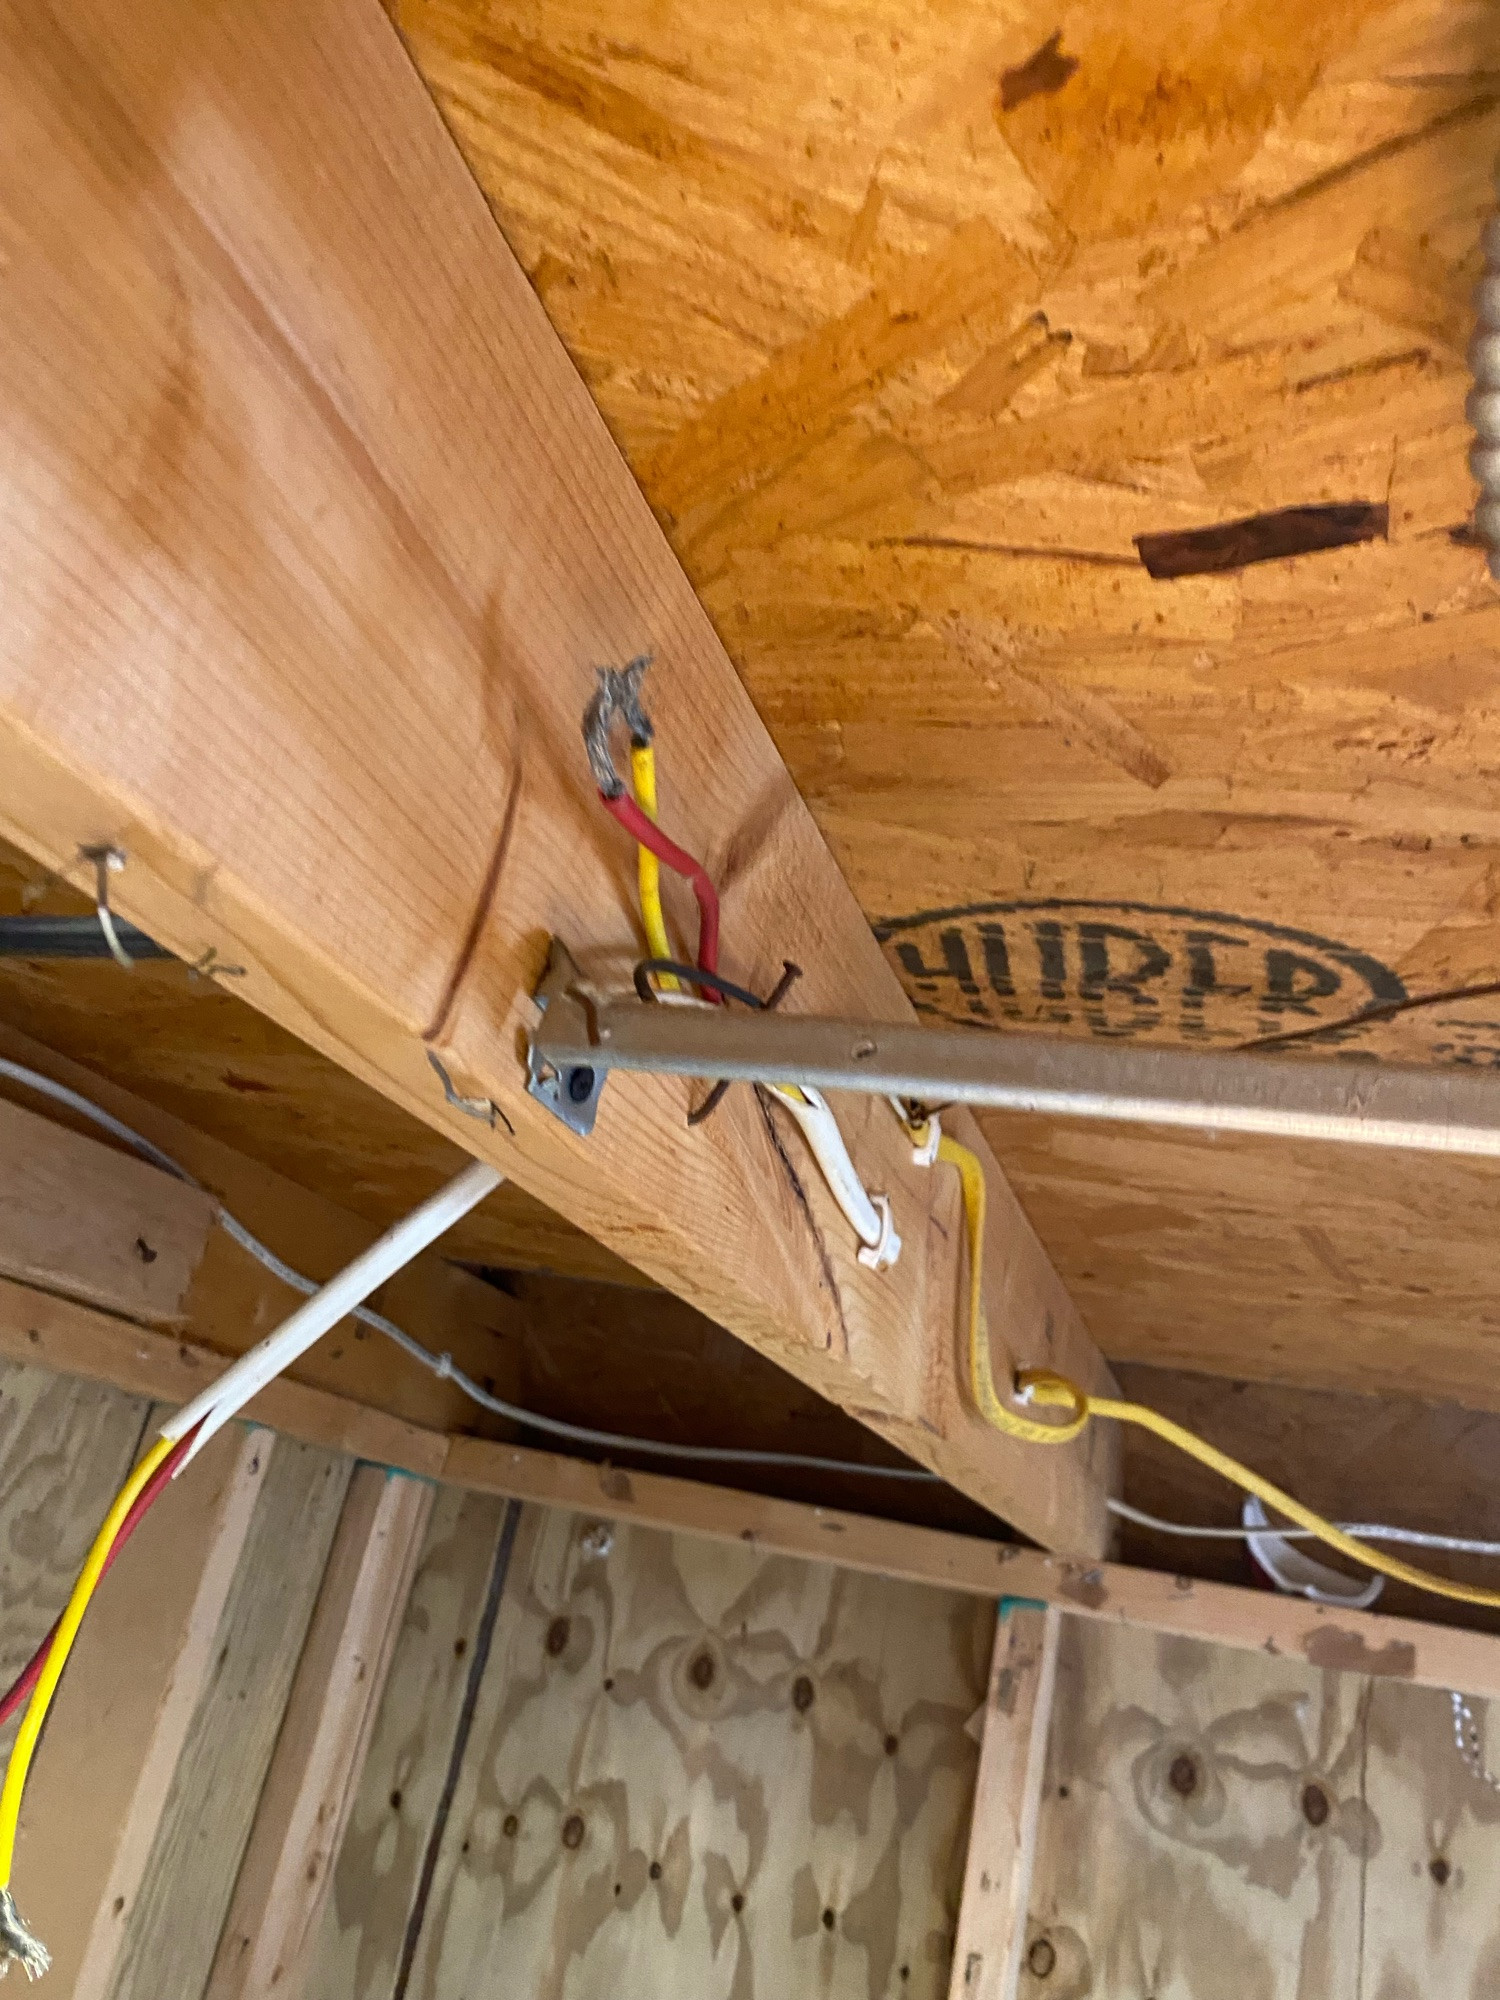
(74, 1340)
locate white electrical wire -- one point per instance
(1365, 1531)
(441, 1365)
(253, 1371)
(869, 1216)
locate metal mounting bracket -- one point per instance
(570, 1091)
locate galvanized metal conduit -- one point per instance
(1444, 1111)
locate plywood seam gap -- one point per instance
(483, 1640)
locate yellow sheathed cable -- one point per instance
(57, 1657)
(648, 868)
(981, 1376)
(1044, 1387)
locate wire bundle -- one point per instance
(181, 1437)
(619, 696)
(1045, 1388)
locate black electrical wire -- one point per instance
(692, 975)
(71, 938)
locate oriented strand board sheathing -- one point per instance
(911, 320)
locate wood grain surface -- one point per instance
(65, 1449)
(270, 1935)
(172, 1931)
(381, 1875)
(707, 1771)
(920, 326)
(1218, 1824)
(340, 507)
(78, 1219)
(114, 1738)
(991, 1932)
(183, 1042)
(69, 1337)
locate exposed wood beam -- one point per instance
(74, 1340)
(1007, 1804)
(79, 1219)
(96, 1194)
(314, 539)
(589, 1353)
(271, 1932)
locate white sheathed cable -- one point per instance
(869, 1218)
(1299, 1574)
(368, 1272)
(443, 1365)
(45, 1086)
(1362, 1531)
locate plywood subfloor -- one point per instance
(911, 320)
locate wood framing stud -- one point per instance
(115, 1739)
(1007, 1802)
(272, 1928)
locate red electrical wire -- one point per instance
(648, 834)
(155, 1486)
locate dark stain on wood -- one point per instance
(616, 1485)
(1285, 531)
(1040, 75)
(1333, 1646)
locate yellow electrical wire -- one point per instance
(1043, 1386)
(57, 1657)
(648, 868)
(981, 1377)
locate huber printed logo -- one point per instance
(1129, 970)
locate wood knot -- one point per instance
(557, 1636)
(1314, 1804)
(572, 1831)
(1041, 1959)
(701, 1670)
(1183, 1775)
(802, 1694)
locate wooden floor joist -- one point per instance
(314, 541)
